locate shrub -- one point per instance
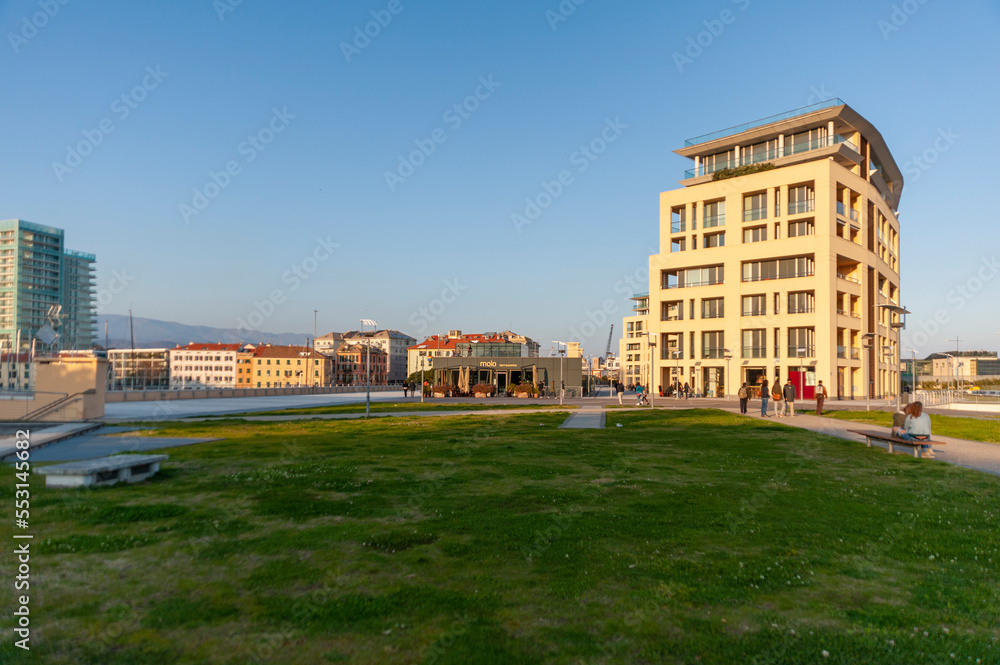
(483, 388)
(747, 169)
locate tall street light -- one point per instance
(868, 341)
(913, 373)
(948, 355)
(368, 365)
(562, 355)
(725, 384)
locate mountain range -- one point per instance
(154, 333)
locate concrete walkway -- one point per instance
(45, 437)
(961, 452)
(585, 419)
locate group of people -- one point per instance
(783, 397)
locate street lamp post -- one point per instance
(368, 366)
(801, 353)
(868, 343)
(562, 355)
(652, 349)
(725, 385)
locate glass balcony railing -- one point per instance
(753, 214)
(807, 351)
(799, 207)
(754, 351)
(771, 155)
(848, 278)
(855, 354)
(713, 353)
(842, 352)
(763, 121)
(713, 221)
(844, 211)
(678, 227)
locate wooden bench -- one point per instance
(102, 471)
(871, 435)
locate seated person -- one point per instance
(918, 427)
(899, 421)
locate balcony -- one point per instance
(771, 155)
(848, 278)
(844, 211)
(842, 352)
(713, 352)
(802, 310)
(786, 275)
(678, 227)
(755, 352)
(808, 351)
(667, 354)
(713, 221)
(799, 207)
(753, 214)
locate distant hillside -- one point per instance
(153, 333)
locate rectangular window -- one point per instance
(801, 199)
(677, 245)
(755, 343)
(755, 234)
(715, 240)
(677, 279)
(801, 302)
(754, 305)
(799, 266)
(713, 308)
(804, 228)
(672, 311)
(678, 219)
(801, 343)
(712, 344)
(807, 140)
(715, 214)
(754, 207)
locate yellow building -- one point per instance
(289, 367)
(779, 257)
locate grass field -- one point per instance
(395, 407)
(680, 537)
(973, 429)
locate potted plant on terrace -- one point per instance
(442, 390)
(525, 389)
(482, 390)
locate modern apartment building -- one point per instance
(36, 274)
(779, 257)
(139, 369)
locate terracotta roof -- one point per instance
(269, 351)
(438, 342)
(208, 347)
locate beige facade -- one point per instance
(779, 257)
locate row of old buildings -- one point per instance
(383, 357)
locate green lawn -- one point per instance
(393, 407)
(680, 537)
(973, 429)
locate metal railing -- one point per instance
(704, 138)
(848, 278)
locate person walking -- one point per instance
(790, 395)
(744, 395)
(764, 395)
(687, 390)
(779, 407)
(619, 388)
(405, 388)
(820, 398)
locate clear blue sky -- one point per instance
(447, 227)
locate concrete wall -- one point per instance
(161, 395)
(77, 384)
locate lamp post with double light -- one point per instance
(728, 378)
(868, 341)
(368, 365)
(562, 356)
